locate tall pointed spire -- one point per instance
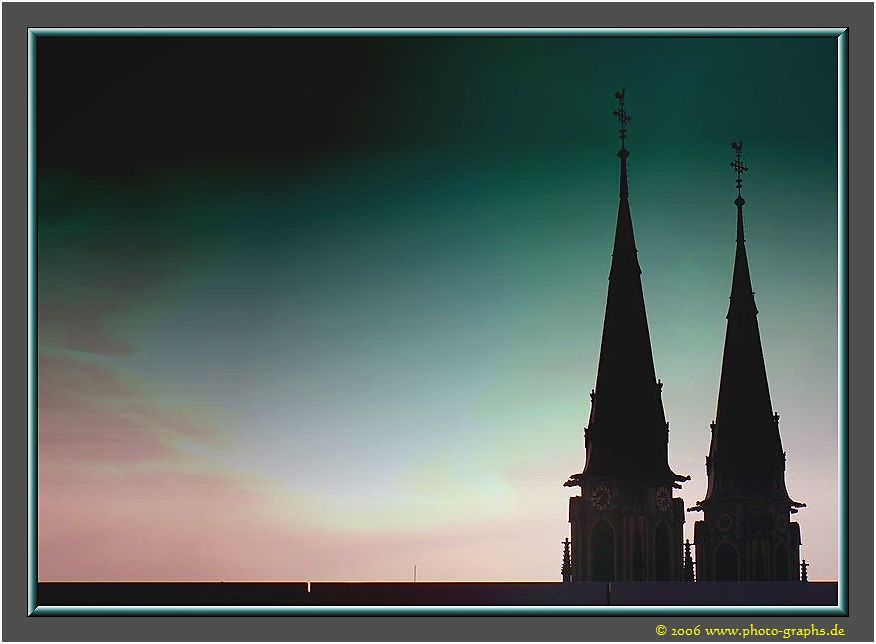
(626, 524)
(746, 533)
(627, 432)
(745, 457)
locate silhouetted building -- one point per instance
(626, 525)
(746, 533)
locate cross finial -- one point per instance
(737, 165)
(622, 117)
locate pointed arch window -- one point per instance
(602, 552)
(662, 553)
(783, 565)
(760, 566)
(726, 563)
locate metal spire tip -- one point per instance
(621, 115)
(737, 164)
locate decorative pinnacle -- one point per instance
(737, 165)
(566, 570)
(622, 117)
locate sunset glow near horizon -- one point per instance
(330, 308)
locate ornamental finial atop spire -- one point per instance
(623, 118)
(740, 168)
(737, 165)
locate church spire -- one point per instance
(627, 435)
(745, 457)
(626, 524)
(746, 533)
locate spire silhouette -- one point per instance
(745, 456)
(688, 574)
(626, 524)
(741, 293)
(566, 569)
(746, 533)
(624, 255)
(627, 433)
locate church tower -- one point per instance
(626, 525)
(746, 533)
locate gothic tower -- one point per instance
(626, 525)
(746, 533)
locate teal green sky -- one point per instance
(322, 315)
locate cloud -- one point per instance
(118, 499)
(87, 415)
(170, 525)
(114, 489)
(105, 250)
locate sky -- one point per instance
(329, 308)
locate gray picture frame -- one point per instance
(21, 18)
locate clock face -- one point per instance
(600, 497)
(724, 522)
(662, 497)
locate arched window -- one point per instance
(760, 566)
(783, 567)
(726, 563)
(662, 554)
(602, 552)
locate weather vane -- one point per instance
(737, 165)
(621, 114)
